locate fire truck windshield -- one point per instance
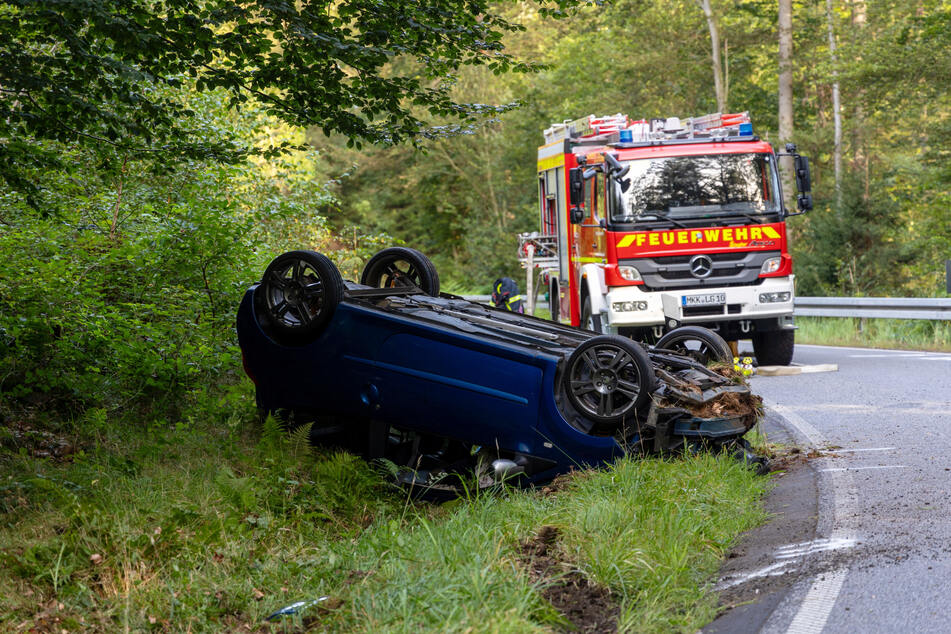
(677, 188)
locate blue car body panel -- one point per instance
(431, 373)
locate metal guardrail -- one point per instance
(875, 307)
(938, 308)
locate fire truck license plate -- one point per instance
(710, 299)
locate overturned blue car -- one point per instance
(444, 387)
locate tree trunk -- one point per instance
(836, 110)
(859, 152)
(785, 92)
(719, 85)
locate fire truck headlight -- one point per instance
(770, 298)
(629, 273)
(771, 265)
(628, 307)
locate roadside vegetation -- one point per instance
(902, 334)
(213, 521)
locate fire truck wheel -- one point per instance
(701, 344)
(609, 379)
(400, 266)
(774, 348)
(297, 296)
(589, 321)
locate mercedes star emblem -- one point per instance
(701, 266)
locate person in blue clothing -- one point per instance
(505, 295)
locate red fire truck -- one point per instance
(649, 225)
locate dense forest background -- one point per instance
(887, 233)
(121, 269)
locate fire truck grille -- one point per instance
(674, 272)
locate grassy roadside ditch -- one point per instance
(212, 523)
(902, 334)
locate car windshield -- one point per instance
(691, 187)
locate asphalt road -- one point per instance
(880, 556)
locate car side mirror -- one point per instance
(803, 178)
(575, 186)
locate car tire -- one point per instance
(701, 344)
(609, 379)
(297, 296)
(401, 267)
(589, 321)
(774, 347)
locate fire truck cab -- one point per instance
(652, 224)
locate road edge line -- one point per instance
(838, 489)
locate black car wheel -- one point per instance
(554, 300)
(401, 267)
(298, 295)
(700, 344)
(609, 379)
(588, 320)
(774, 348)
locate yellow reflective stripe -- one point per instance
(625, 241)
(588, 260)
(548, 145)
(770, 232)
(551, 162)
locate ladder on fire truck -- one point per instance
(539, 252)
(619, 128)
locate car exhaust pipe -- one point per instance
(505, 469)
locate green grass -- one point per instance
(905, 334)
(212, 523)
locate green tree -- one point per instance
(106, 74)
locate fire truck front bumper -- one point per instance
(629, 306)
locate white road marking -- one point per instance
(835, 518)
(919, 408)
(882, 356)
(948, 358)
(855, 450)
(815, 546)
(771, 570)
(787, 556)
(813, 435)
(891, 466)
(812, 345)
(818, 604)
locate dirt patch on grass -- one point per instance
(589, 608)
(789, 457)
(38, 443)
